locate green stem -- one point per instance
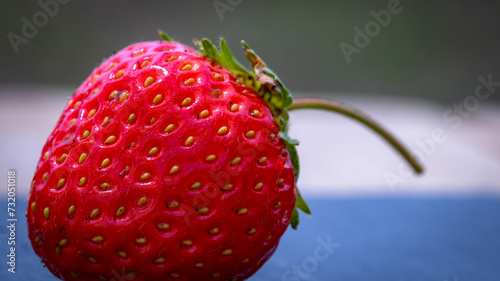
(359, 116)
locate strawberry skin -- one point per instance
(161, 167)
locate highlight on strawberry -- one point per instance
(170, 163)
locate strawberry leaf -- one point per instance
(294, 222)
(164, 36)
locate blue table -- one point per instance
(360, 239)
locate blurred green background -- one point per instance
(430, 49)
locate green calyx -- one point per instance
(269, 87)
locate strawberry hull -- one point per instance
(162, 167)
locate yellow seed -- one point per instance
(245, 260)
(189, 141)
(122, 254)
(189, 82)
(113, 95)
(91, 113)
(245, 92)
(234, 107)
(227, 187)
(110, 140)
(102, 277)
(258, 186)
(251, 231)
(216, 93)
(187, 67)
(105, 185)
(113, 64)
(131, 118)
(160, 260)
(152, 120)
(210, 158)
(255, 113)
(26, 213)
(142, 201)
(227, 252)
(198, 265)
(203, 210)
(140, 240)
(138, 52)
(63, 242)
(222, 130)
(93, 260)
(144, 63)
(281, 181)
(242, 211)
(186, 101)
(236, 160)
(213, 230)
(124, 96)
(63, 157)
(82, 181)
(203, 114)
(163, 226)
(145, 176)
(262, 160)
(171, 58)
(98, 239)
(58, 250)
(95, 78)
(45, 155)
(277, 205)
(174, 275)
(153, 151)
(61, 183)
(51, 266)
(157, 99)
(120, 211)
(196, 185)
(94, 213)
(71, 210)
(187, 242)
(217, 76)
(105, 162)
(46, 213)
(82, 158)
(174, 170)
(44, 179)
(105, 121)
(149, 81)
(269, 237)
(74, 274)
(215, 274)
(33, 206)
(119, 74)
(71, 122)
(169, 128)
(173, 204)
(85, 134)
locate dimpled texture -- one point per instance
(161, 167)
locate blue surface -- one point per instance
(371, 239)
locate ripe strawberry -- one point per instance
(161, 166)
(167, 164)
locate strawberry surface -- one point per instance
(163, 166)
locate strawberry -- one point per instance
(167, 164)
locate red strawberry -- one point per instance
(166, 164)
